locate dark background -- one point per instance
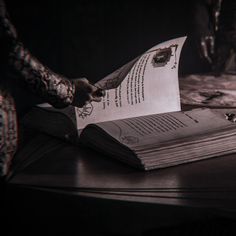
(92, 38)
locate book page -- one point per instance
(159, 128)
(147, 85)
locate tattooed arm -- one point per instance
(53, 88)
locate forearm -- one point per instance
(52, 87)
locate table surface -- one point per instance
(47, 162)
(48, 168)
(51, 175)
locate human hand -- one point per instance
(86, 93)
(207, 47)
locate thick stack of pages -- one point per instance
(162, 140)
(147, 142)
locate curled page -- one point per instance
(146, 85)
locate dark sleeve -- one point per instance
(52, 87)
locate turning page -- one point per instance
(147, 85)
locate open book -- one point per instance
(144, 86)
(139, 120)
(162, 140)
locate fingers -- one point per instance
(86, 93)
(93, 99)
(99, 92)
